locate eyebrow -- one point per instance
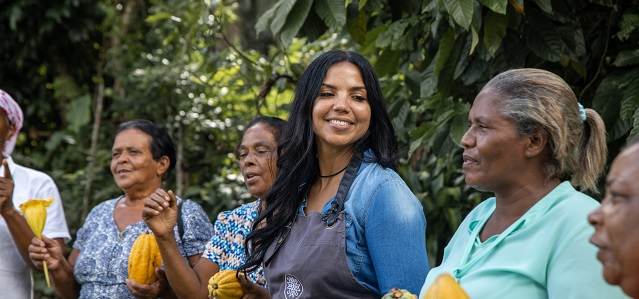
(259, 143)
(352, 88)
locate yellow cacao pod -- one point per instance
(224, 285)
(144, 258)
(396, 293)
(445, 287)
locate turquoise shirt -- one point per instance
(544, 254)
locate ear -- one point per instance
(10, 132)
(536, 144)
(163, 165)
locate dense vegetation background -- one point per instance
(204, 68)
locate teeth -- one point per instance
(338, 122)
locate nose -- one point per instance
(341, 102)
(467, 140)
(596, 217)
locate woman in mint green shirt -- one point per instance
(529, 142)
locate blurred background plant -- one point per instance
(203, 69)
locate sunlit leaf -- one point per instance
(281, 15)
(333, 12)
(295, 21)
(627, 57)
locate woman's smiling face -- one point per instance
(341, 112)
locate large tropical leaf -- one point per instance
(295, 20)
(284, 7)
(333, 12)
(494, 31)
(545, 5)
(262, 22)
(498, 6)
(627, 57)
(461, 11)
(542, 38)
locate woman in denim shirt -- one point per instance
(340, 222)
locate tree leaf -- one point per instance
(461, 11)
(494, 31)
(262, 22)
(157, 17)
(545, 5)
(295, 21)
(388, 62)
(498, 6)
(630, 100)
(332, 12)
(357, 27)
(445, 46)
(282, 14)
(635, 126)
(458, 128)
(79, 113)
(543, 39)
(627, 57)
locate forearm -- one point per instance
(182, 278)
(64, 282)
(20, 232)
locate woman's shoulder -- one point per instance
(247, 211)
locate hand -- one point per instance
(159, 288)
(253, 290)
(6, 189)
(160, 212)
(46, 250)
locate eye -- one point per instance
(359, 98)
(326, 94)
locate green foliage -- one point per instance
(188, 66)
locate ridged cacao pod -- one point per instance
(224, 285)
(144, 258)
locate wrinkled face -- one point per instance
(341, 112)
(132, 163)
(494, 152)
(616, 223)
(257, 158)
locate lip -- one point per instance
(345, 123)
(122, 171)
(250, 177)
(468, 161)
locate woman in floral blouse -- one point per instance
(225, 251)
(142, 157)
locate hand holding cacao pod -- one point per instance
(224, 285)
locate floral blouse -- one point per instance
(226, 247)
(101, 266)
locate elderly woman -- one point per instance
(18, 185)
(340, 222)
(530, 143)
(142, 157)
(616, 223)
(257, 154)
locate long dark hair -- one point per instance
(297, 163)
(161, 143)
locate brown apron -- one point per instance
(311, 254)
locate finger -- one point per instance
(49, 242)
(245, 282)
(160, 274)
(7, 172)
(172, 199)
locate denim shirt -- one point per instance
(385, 231)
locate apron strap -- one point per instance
(337, 205)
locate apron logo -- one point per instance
(293, 288)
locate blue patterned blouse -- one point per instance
(226, 247)
(101, 266)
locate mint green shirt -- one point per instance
(544, 254)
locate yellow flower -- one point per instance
(35, 212)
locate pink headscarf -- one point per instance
(14, 114)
